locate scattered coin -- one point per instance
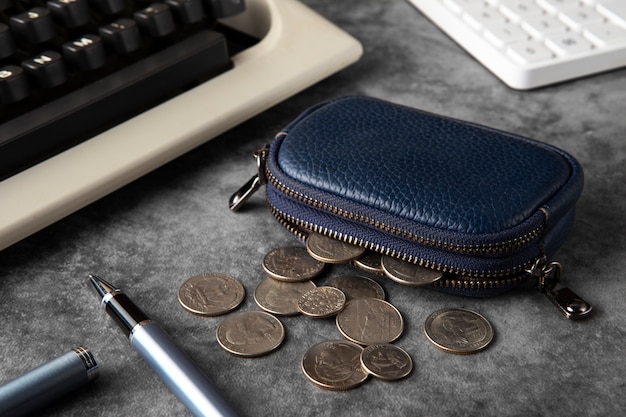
(322, 302)
(291, 264)
(334, 365)
(386, 361)
(279, 297)
(250, 333)
(354, 286)
(369, 321)
(211, 294)
(332, 251)
(370, 261)
(408, 273)
(457, 330)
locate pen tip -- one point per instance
(101, 286)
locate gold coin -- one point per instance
(457, 330)
(334, 365)
(322, 302)
(250, 333)
(370, 261)
(408, 273)
(279, 297)
(386, 361)
(211, 294)
(354, 286)
(331, 251)
(291, 264)
(369, 321)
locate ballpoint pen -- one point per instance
(47, 383)
(165, 358)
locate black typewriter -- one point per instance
(96, 93)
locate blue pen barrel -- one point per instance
(178, 372)
(166, 359)
(47, 383)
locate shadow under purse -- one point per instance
(484, 208)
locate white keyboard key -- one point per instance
(517, 10)
(504, 33)
(615, 10)
(578, 17)
(541, 25)
(568, 44)
(529, 52)
(553, 6)
(479, 16)
(458, 6)
(605, 34)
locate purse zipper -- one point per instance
(302, 228)
(547, 274)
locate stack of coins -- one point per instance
(367, 323)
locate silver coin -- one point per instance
(291, 264)
(334, 365)
(459, 331)
(370, 261)
(322, 302)
(407, 273)
(332, 251)
(370, 321)
(250, 333)
(211, 294)
(279, 297)
(386, 361)
(354, 286)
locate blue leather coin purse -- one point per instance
(485, 208)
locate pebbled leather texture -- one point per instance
(442, 173)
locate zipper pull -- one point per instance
(244, 193)
(567, 301)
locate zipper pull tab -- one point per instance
(567, 301)
(244, 193)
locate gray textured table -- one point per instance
(152, 235)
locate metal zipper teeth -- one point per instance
(482, 284)
(484, 249)
(460, 278)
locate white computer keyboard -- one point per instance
(285, 61)
(533, 43)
